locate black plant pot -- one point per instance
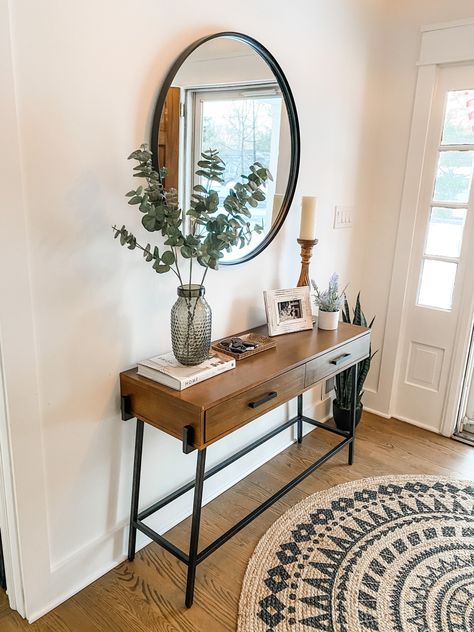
(342, 416)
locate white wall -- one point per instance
(77, 309)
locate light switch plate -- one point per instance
(343, 216)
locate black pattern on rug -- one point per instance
(387, 554)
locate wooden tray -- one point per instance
(263, 343)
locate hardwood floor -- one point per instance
(148, 594)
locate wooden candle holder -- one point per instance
(307, 246)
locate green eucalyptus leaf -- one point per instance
(168, 257)
(193, 213)
(150, 223)
(191, 240)
(161, 269)
(172, 241)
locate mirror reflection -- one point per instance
(225, 97)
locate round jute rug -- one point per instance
(388, 554)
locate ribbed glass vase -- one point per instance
(191, 322)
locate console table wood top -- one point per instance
(217, 406)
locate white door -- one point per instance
(442, 255)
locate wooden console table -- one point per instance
(208, 411)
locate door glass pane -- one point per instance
(437, 284)
(453, 176)
(458, 128)
(445, 232)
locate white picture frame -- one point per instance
(288, 310)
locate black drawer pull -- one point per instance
(340, 358)
(267, 398)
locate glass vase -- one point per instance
(191, 321)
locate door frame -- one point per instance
(459, 367)
(443, 44)
(8, 508)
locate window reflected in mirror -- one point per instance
(225, 97)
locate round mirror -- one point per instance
(227, 93)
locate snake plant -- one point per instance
(344, 382)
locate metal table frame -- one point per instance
(195, 557)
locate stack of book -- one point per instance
(166, 370)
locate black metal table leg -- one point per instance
(194, 557)
(196, 523)
(354, 377)
(137, 466)
(299, 424)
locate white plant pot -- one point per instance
(328, 320)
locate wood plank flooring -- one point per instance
(148, 594)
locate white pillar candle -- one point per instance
(308, 217)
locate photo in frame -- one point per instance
(288, 310)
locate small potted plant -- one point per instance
(329, 303)
(343, 385)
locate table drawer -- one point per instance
(238, 410)
(332, 362)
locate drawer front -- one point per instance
(238, 410)
(332, 362)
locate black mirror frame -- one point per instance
(292, 118)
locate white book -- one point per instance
(166, 370)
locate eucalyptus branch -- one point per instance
(216, 227)
(177, 266)
(128, 239)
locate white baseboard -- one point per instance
(407, 420)
(165, 523)
(37, 614)
(376, 412)
(418, 424)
